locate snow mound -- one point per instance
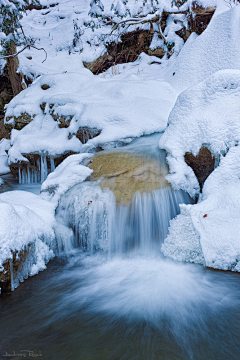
(26, 225)
(206, 114)
(215, 49)
(118, 107)
(213, 224)
(69, 173)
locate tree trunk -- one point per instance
(12, 66)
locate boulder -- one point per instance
(124, 173)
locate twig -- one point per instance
(25, 47)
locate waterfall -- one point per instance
(99, 224)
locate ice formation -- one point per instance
(27, 226)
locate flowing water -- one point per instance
(113, 296)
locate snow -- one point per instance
(121, 107)
(69, 173)
(206, 114)
(26, 223)
(4, 168)
(213, 224)
(215, 49)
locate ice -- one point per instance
(27, 226)
(99, 224)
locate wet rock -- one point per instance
(33, 165)
(85, 133)
(202, 164)
(14, 270)
(124, 173)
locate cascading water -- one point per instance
(107, 220)
(100, 224)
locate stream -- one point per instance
(111, 295)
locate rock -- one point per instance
(200, 10)
(33, 164)
(184, 33)
(158, 52)
(124, 173)
(45, 87)
(202, 16)
(15, 268)
(86, 133)
(132, 44)
(20, 121)
(202, 164)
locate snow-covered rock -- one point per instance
(217, 48)
(205, 114)
(69, 173)
(26, 234)
(208, 232)
(119, 107)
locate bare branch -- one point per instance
(25, 47)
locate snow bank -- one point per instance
(120, 107)
(208, 232)
(26, 225)
(215, 49)
(206, 114)
(69, 173)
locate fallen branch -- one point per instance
(25, 47)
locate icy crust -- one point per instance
(183, 242)
(117, 107)
(69, 173)
(206, 114)
(26, 222)
(215, 221)
(215, 49)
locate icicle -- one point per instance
(44, 169)
(19, 176)
(52, 164)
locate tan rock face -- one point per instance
(125, 173)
